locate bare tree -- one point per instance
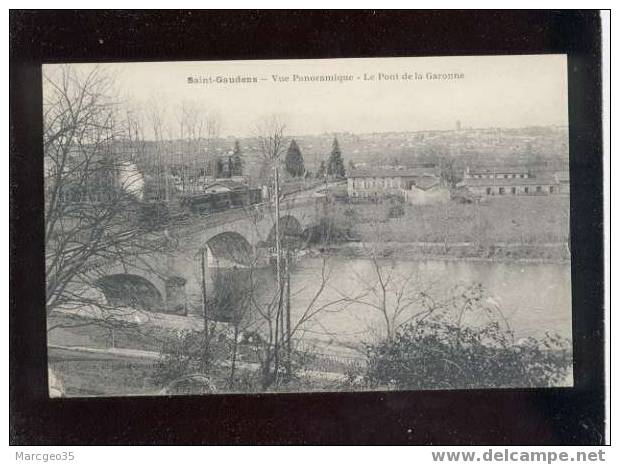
(161, 133)
(276, 350)
(271, 314)
(394, 294)
(272, 145)
(91, 186)
(197, 129)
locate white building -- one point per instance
(374, 184)
(426, 190)
(513, 181)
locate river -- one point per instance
(534, 298)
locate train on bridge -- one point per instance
(213, 202)
(221, 197)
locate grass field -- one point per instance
(104, 378)
(531, 220)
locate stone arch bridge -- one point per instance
(169, 274)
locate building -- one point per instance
(562, 179)
(426, 190)
(496, 173)
(374, 184)
(228, 166)
(513, 181)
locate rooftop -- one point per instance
(498, 170)
(426, 182)
(385, 173)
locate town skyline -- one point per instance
(429, 130)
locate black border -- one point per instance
(536, 416)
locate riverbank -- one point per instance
(504, 252)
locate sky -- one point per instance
(492, 91)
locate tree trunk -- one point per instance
(279, 316)
(206, 349)
(233, 362)
(288, 316)
(447, 229)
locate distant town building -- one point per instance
(513, 181)
(374, 184)
(496, 173)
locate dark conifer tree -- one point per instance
(237, 160)
(211, 168)
(227, 168)
(294, 161)
(335, 165)
(320, 172)
(219, 168)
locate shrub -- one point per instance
(465, 344)
(330, 230)
(396, 211)
(351, 214)
(438, 354)
(180, 355)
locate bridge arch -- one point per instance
(292, 232)
(131, 290)
(228, 248)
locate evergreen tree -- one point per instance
(219, 168)
(294, 161)
(211, 168)
(335, 165)
(320, 173)
(237, 161)
(227, 168)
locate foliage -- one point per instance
(335, 164)
(230, 297)
(237, 161)
(294, 161)
(331, 229)
(180, 355)
(351, 214)
(321, 171)
(439, 350)
(396, 209)
(449, 171)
